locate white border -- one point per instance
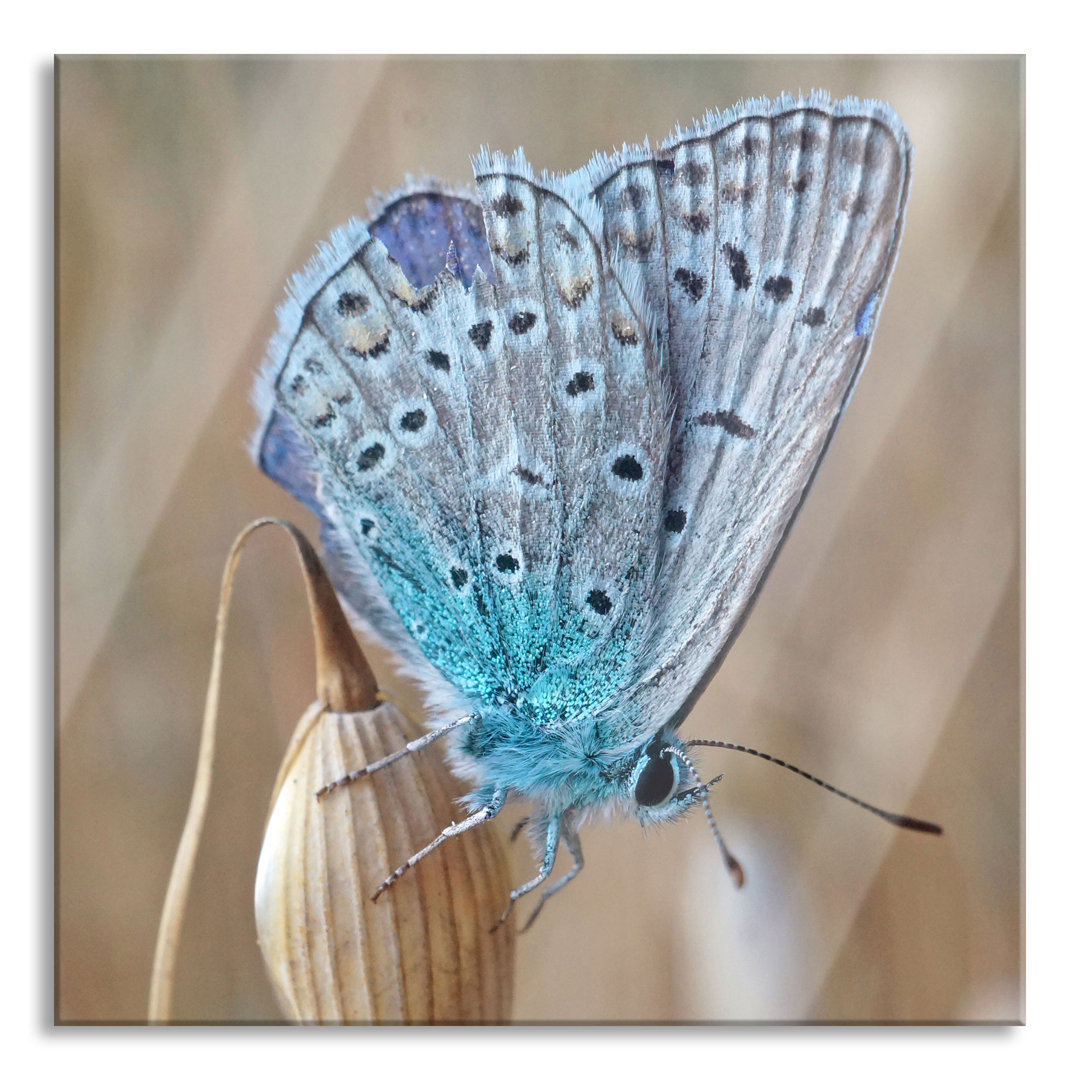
(1051, 399)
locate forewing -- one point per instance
(368, 371)
(571, 420)
(422, 224)
(767, 235)
(448, 438)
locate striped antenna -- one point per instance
(734, 867)
(900, 820)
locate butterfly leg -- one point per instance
(518, 827)
(551, 849)
(485, 813)
(573, 845)
(409, 748)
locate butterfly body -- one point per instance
(557, 429)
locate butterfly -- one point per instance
(556, 429)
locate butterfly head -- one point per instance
(663, 783)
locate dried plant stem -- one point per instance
(344, 683)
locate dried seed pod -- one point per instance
(424, 952)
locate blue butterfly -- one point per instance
(556, 429)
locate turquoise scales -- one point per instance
(556, 430)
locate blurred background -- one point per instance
(884, 653)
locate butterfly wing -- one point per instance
(448, 436)
(767, 236)
(605, 518)
(420, 224)
(423, 221)
(350, 395)
(584, 388)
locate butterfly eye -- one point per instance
(656, 782)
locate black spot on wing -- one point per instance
(675, 521)
(351, 303)
(697, 222)
(515, 258)
(693, 174)
(480, 334)
(599, 601)
(632, 197)
(729, 421)
(779, 288)
(737, 265)
(693, 284)
(371, 456)
(506, 205)
(414, 420)
(522, 322)
(627, 467)
(527, 475)
(581, 383)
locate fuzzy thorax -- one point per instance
(570, 767)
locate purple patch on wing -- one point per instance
(286, 457)
(866, 314)
(419, 228)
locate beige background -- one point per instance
(884, 654)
